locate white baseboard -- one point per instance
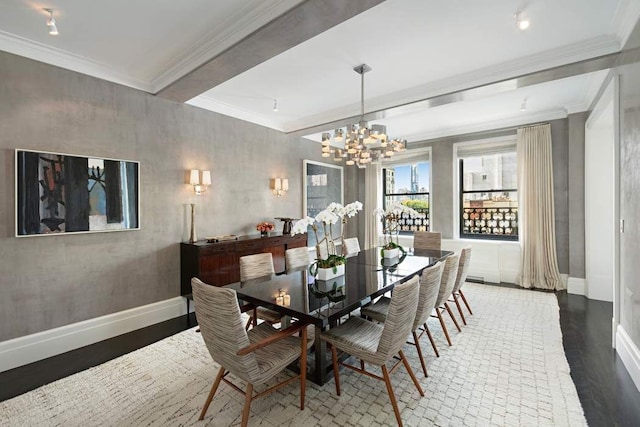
(629, 354)
(576, 286)
(31, 348)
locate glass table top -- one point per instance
(367, 276)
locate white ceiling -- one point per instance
(417, 49)
(144, 44)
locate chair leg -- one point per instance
(247, 405)
(249, 322)
(420, 356)
(214, 388)
(433, 343)
(303, 368)
(444, 327)
(255, 317)
(392, 396)
(465, 301)
(336, 371)
(457, 301)
(411, 374)
(455, 322)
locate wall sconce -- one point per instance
(51, 23)
(279, 186)
(283, 298)
(200, 185)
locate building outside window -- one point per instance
(408, 184)
(488, 191)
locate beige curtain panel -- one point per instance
(537, 218)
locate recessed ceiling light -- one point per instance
(51, 23)
(522, 23)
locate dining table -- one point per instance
(323, 304)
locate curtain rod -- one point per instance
(532, 125)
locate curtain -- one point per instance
(372, 201)
(535, 200)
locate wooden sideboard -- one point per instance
(218, 263)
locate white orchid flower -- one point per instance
(352, 209)
(335, 208)
(327, 217)
(301, 226)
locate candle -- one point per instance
(287, 300)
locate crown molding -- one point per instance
(521, 119)
(563, 55)
(234, 29)
(60, 58)
(220, 107)
(625, 19)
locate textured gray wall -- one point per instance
(630, 200)
(52, 281)
(576, 124)
(560, 154)
(441, 209)
(443, 192)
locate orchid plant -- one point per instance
(333, 214)
(390, 218)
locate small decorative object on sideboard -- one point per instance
(264, 228)
(288, 223)
(224, 238)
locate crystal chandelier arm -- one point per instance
(362, 144)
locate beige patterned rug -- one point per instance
(506, 368)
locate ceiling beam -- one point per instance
(296, 26)
(569, 70)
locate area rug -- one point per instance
(506, 368)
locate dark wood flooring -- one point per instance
(606, 391)
(29, 377)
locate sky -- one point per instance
(403, 176)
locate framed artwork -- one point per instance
(61, 194)
(322, 186)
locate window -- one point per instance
(408, 184)
(488, 191)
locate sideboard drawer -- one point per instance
(218, 263)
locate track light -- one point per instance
(522, 23)
(51, 23)
(275, 105)
(523, 107)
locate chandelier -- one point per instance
(361, 144)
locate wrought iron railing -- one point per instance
(490, 222)
(414, 224)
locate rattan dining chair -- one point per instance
(429, 287)
(296, 259)
(254, 269)
(463, 269)
(377, 344)
(427, 240)
(255, 356)
(447, 282)
(351, 247)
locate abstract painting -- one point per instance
(61, 193)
